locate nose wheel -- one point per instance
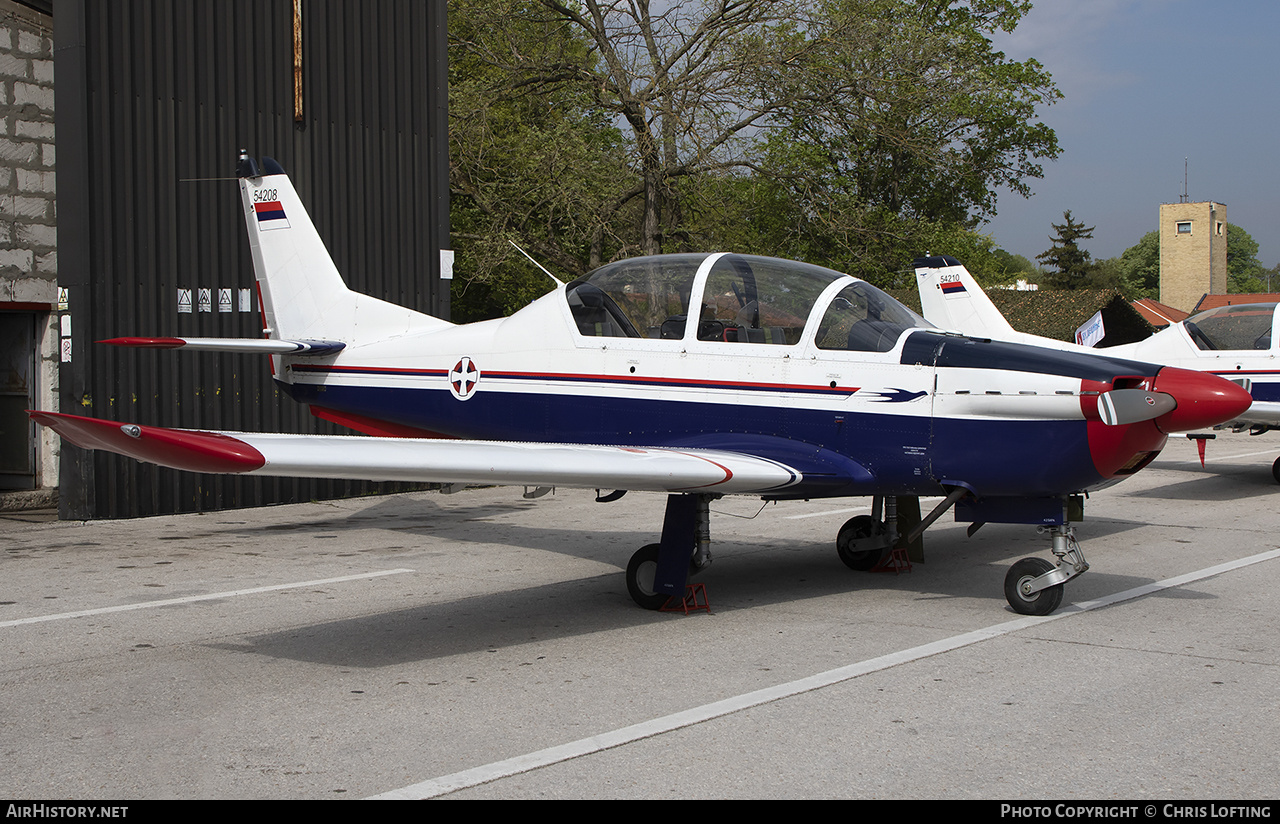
(1020, 588)
(1033, 586)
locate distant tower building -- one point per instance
(1193, 252)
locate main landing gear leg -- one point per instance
(864, 541)
(1033, 586)
(659, 571)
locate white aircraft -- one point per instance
(696, 375)
(1239, 343)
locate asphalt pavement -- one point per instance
(481, 645)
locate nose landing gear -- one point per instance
(1033, 586)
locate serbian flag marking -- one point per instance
(952, 287)
(270, 215)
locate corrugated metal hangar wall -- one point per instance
(155, 98)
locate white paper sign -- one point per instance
(1091, 332)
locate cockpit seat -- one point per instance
(870, 335)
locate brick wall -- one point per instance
(1193, 262)
(28, 210)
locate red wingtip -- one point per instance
(147, 343)
(174, 448)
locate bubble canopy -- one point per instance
(1233, 327)
(731, 298)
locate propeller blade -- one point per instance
(1125, 406)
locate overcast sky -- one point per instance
(1148, 83)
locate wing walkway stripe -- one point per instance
(585, 746)
(193, 598)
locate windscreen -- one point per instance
(642, 297)
(1232, 327)
(863, 319)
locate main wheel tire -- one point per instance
(1037, 603)
(1275, 470)
(642, 569)
(860, 528)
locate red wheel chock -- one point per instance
(896, 562)
(695, 598)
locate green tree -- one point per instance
(1016, 266)
(852, 133)
(1245, 273)
(908, 107)
(757, 213)
(1271, 277)
(907, 98)
(1107, 273)
(689, 82)
(930, 122)
(1069, 264)
(1140, 265)
(537, 169)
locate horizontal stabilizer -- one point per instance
(580, 466)
(258, 346)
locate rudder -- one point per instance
(302, 293)
(951, 299)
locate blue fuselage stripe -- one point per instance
(905, 454)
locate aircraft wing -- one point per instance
(260, 346)
(646, 469)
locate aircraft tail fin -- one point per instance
(302, 293)
(951, 299)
